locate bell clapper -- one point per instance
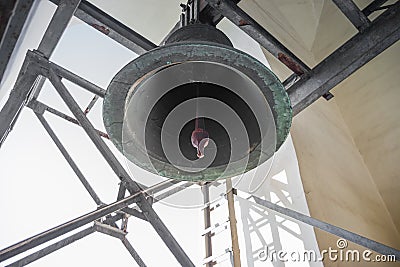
(199, 135)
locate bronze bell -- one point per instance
(196, 108)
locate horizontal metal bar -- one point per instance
(44, 66)
(129, 184)
(245, 22)
(353, 237)
(133, 252)
(368, 10)
(383, 32)
(51, 248)
(37, 106)
(353, 14)
(57, 26)
(64, 228)
(172, 191)
(109, 230)
(112, 28)
(12, 30)
(68, 158)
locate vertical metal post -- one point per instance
(133, 252)
(57, 26)
(207, 221)
(232, 223)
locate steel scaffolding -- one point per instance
(304, 86)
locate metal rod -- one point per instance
(17, 99)
(51, 248)
(91, 104)
(121, 191)
(353, 237)
(112, 28)
(207, 222)
(45, 65)
(245, 22)
(129, 184)
(109, 230)
(134, 213)
(12, 30)
(232, 223)
(172, 191)
(355, 53)
(65, 227)
(68, 158)
(36, 105)
(133, 252)
(353, 14)
(57, 26)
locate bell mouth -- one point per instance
(151, 115)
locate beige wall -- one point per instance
(369, 102)
(348, 148)
(337, 183)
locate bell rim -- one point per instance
(175, 53)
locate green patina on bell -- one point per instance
(154, 103)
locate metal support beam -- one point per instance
(65, 227)
(172, 191)
(129, 184)
(27, 76)
(245, 22)
(17, 99)
(373, 6)
(51, 248)
(134, 213)
(353, 13)
(353, 237)
(37, 106)
(12, 30)
(57, 26)
(111, 27)
(109, 230)
(44, 66)
(383, 32)
(68, 158)
(133, 252)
